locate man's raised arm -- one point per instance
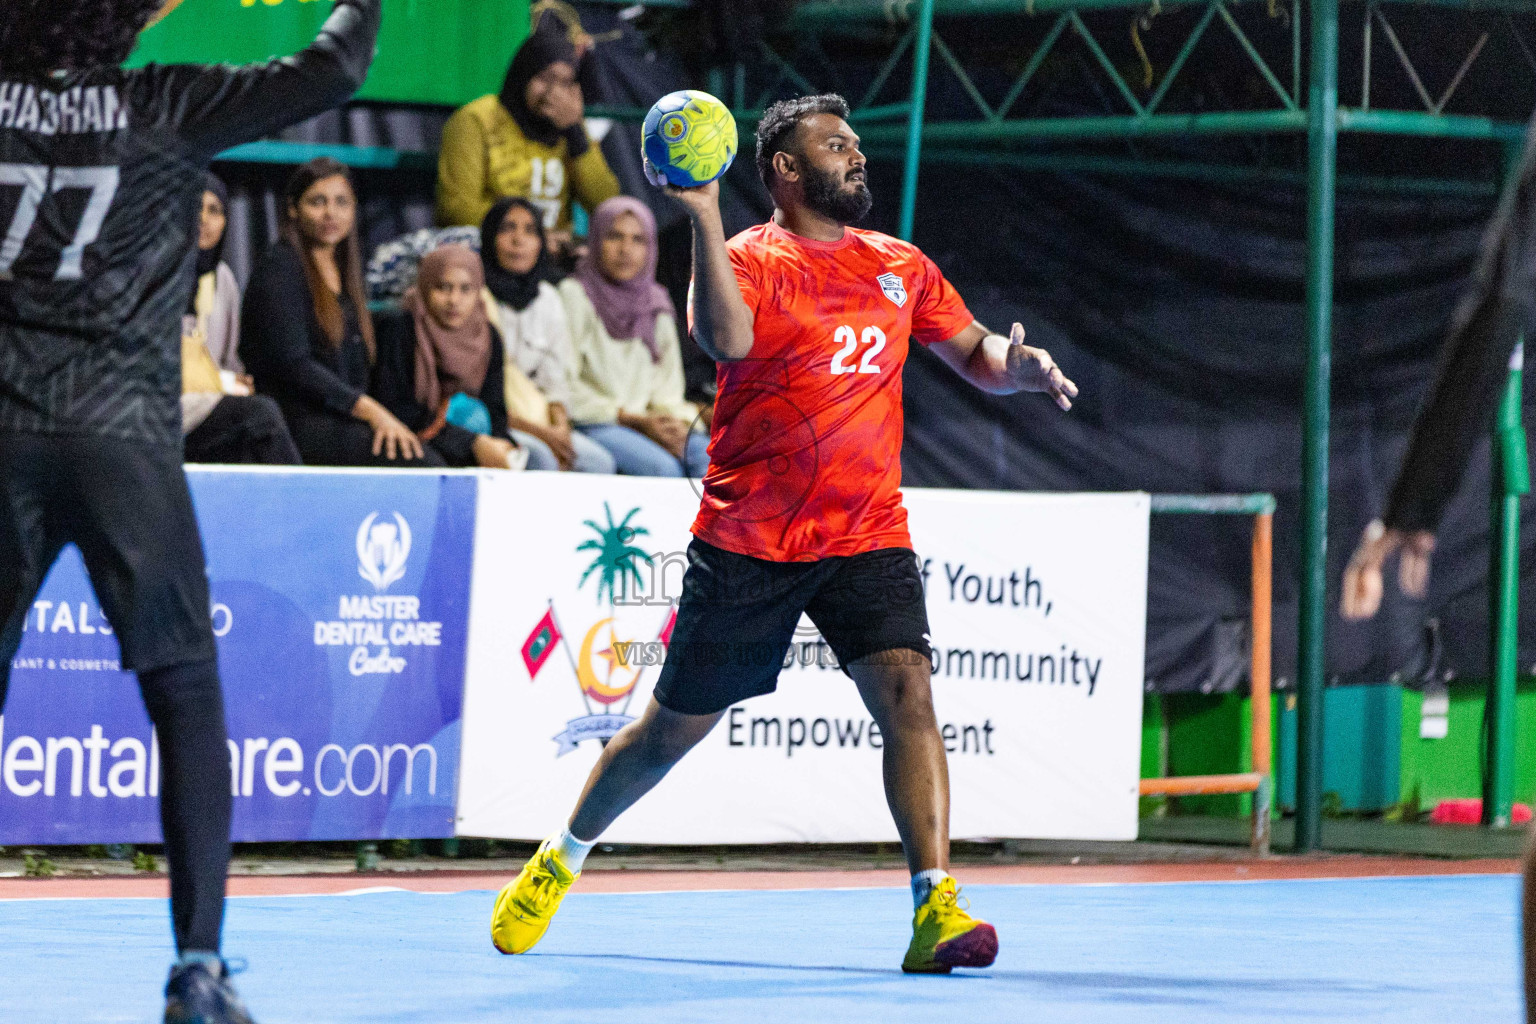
(722, 323)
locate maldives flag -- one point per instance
(541, 643)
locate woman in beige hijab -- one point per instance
(440, 365)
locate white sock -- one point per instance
(573, 852)
(923, 883)
(208, 958)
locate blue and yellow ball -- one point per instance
(689, 138)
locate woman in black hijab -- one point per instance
(222, 420)
(528, 141)
(527, 311)
(515, 253)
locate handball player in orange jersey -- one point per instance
(810, 321)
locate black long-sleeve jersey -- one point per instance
(1488, 321)
(101, 177)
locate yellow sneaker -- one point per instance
(945, 936)
(528, 903)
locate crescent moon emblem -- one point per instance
(590, 684)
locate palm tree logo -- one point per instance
(615, 563)
(611, 684)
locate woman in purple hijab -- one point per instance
(627, 394)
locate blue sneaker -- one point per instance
(200, 993)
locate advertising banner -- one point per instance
(1037, 606)
(437, 52)
(340, 604)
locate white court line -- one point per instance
(379, 889)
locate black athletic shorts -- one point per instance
(126, 506)
(737, 618)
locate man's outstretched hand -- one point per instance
(1363, 578)
(1033, 369)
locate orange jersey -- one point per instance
(805, 452)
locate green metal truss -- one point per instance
(888, 129)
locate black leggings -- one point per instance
(187, 709)
(127, 507)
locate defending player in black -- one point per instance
(101, 175)
(1483, 345)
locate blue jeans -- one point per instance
(591, 457)
(637, 455)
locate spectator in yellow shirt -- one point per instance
(528, 141)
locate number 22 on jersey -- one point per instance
(36, 183)
(872, 340)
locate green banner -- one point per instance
(431, 51)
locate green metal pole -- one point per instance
(1322, 152)
(921, 46)
(894, 128)
(1511, 478)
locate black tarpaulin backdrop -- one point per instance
(1178, 309)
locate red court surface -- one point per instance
(690, 881)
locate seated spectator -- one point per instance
(531, 317)
(222, 420)
(529, 141)
(627, 393)
(306, 335)
(440, 352)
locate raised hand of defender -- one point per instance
(1363, 578)
(165, 9)
(1033, 369)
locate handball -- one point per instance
(689, 139)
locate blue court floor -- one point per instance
(1401, 950)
